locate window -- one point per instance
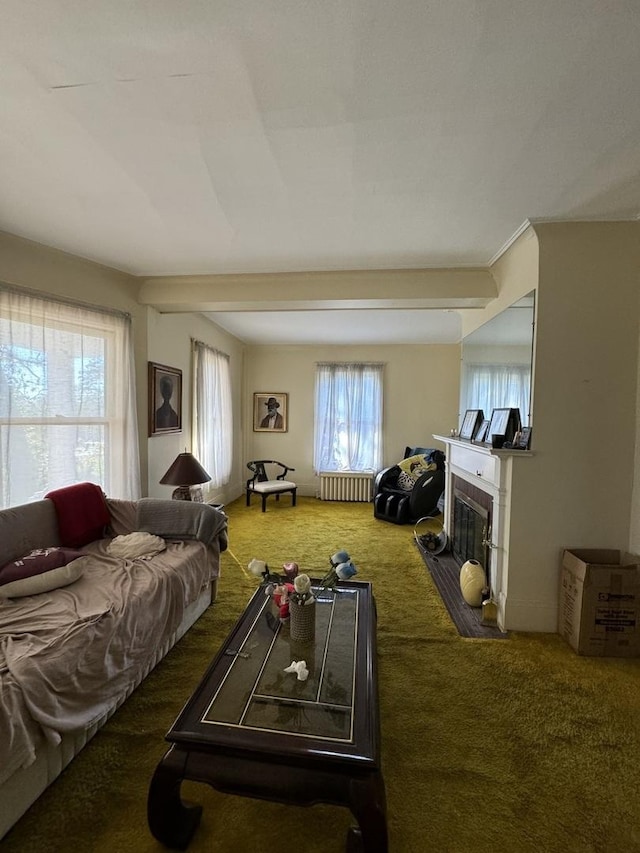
(348, 417)
(67, 399)
(212, 412)
(497, 386)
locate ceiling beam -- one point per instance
(313, 291)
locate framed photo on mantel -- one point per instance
(522, 439)
(505, 423)
(481, 435)
(471, 423)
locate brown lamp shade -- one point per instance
(185, 471)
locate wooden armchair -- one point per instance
(264, 485)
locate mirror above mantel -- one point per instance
(497, 362)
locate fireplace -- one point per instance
(488, 478)
(470, 523)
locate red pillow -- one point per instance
(36, 563)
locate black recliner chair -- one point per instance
(391, 503)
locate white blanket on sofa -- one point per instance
(66, 655)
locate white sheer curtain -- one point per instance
(67, 399)
(497, 386)
(348, 417)
(212, 412)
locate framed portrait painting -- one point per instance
(165, 399)
(270, 411)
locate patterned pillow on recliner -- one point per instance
(412, 468)
(405, 481)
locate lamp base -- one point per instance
(188, 493)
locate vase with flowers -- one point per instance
(294, 588)
(302, 610)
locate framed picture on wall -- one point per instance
(270, 411)
(165, 399)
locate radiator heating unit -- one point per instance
(345, 486)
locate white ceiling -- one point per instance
(200, 137)
(363, 326)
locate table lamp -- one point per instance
(186, 473)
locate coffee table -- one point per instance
(252, 729)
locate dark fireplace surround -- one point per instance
(470, 527)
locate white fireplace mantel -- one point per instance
(491, 471)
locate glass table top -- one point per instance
(257, 694)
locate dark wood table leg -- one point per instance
(367, 801)
(171, 821)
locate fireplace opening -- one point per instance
(470, 528)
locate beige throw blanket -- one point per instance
(68, 655)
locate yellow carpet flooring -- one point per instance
(494, 746)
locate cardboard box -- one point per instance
(599, 612)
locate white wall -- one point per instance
(169, 342)
(421, 392)
(582, 485)
(516, 275)
(586, 369)
(634, 523)
(575, 491)
(421, 382)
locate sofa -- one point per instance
(411, 489)
(77, 639)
